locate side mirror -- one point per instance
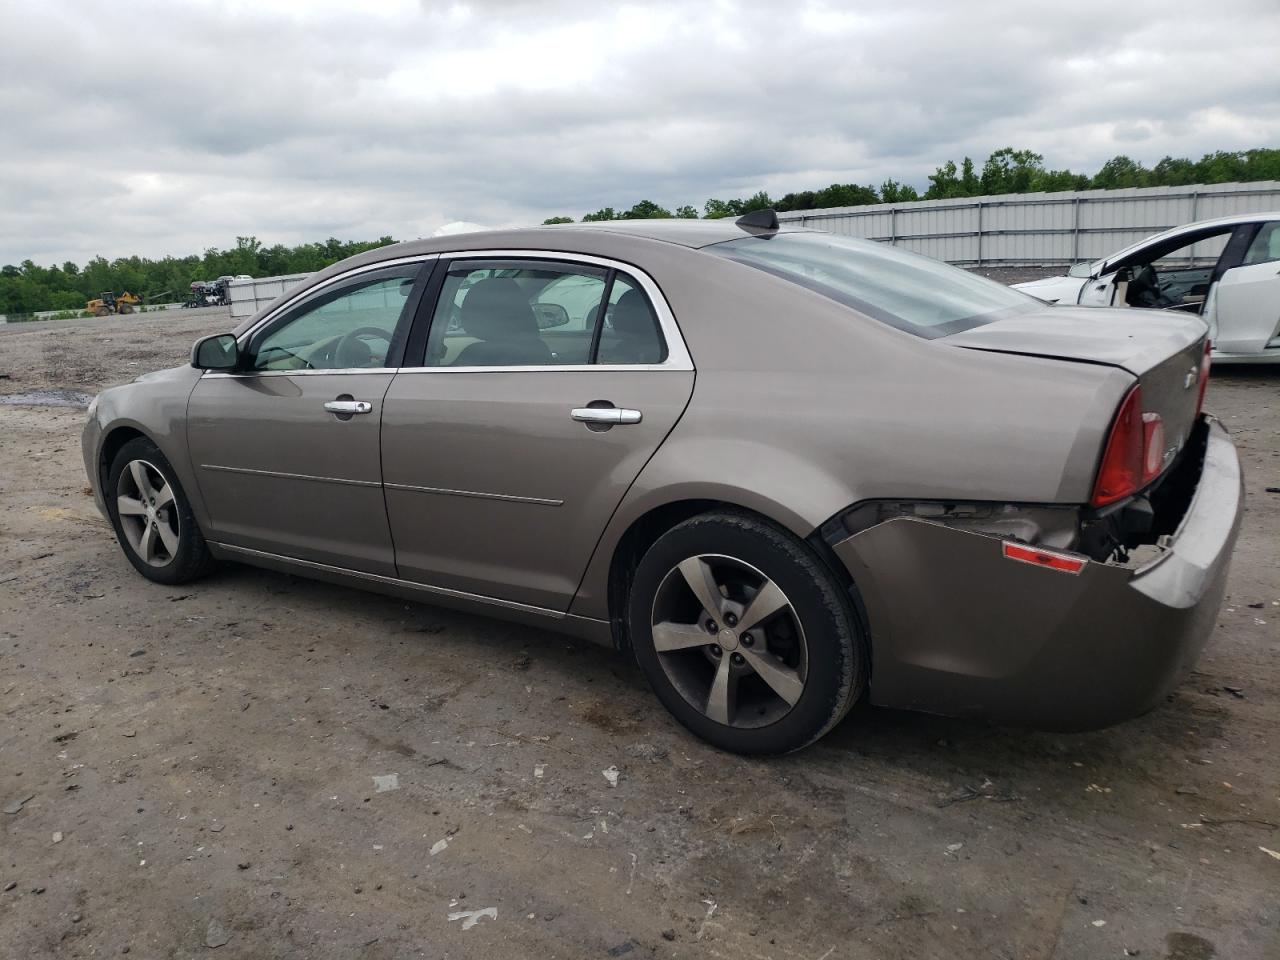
(1081, 271)
(219, 352)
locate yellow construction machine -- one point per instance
(109, 303)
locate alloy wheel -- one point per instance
(729, 641)
(148, 513)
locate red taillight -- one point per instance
(1204, 375)
(1134, 455)
(1063, 562)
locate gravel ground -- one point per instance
(263, 766)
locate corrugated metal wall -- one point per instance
(250, 296)
(1040, 228)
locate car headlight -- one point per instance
(93, 407)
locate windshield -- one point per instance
(913, 293)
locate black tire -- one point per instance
(817, 601)
(191, 559)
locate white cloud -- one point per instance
(153, 127)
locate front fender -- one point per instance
(154, 406)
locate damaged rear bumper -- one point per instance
(956, 628)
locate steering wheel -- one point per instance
(1144, 288)
(351, 351)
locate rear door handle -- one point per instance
(348, 406)
(609, 415)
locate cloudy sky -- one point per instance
(167, 127)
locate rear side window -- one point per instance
(924, 297)
(1265, 246)
(630, 333)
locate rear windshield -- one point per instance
(913, 293)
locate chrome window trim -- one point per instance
(338, 372)
(546, 367)
(678, 357)
(293, 299)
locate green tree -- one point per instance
(607, 213)
(716, 209)
(553, 220)
(891, 191)
(1118, 172)
(1011, 171)
(646, 210)
(687, 212)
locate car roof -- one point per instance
(1199, 225)
(686, 233)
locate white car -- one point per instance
(1226, 271)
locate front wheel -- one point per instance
(152, 516)
(745, 635)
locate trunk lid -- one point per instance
(1162, 349)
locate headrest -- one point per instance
(631, 315)
(497, 308)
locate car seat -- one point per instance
(497, 313)
(635, 330)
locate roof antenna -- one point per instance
(766, 219)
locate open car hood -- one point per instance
(1137, 340)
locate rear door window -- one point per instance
(522, 313)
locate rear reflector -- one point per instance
(1063, 562)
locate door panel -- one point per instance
(280, 473)
(493, 488)
(1098, 293)
(1247, 307)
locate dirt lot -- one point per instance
(201, 766)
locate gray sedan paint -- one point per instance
(280, 473)
(1010, 641)
(493, 488)
(799, 408)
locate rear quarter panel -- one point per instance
(802, 408)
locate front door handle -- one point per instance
(348, 407)
(607, 415)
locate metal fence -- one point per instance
(1029, 229)
(249, 296)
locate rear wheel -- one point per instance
(744, 634)
(152, 516)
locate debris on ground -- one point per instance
(647, 752)
(216, 935)
(15, 806)
(386, 783)
(987, 791)
(470, 918)
(611, 774)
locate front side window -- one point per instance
(924, 297)
(511, 313)
(351, 327)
